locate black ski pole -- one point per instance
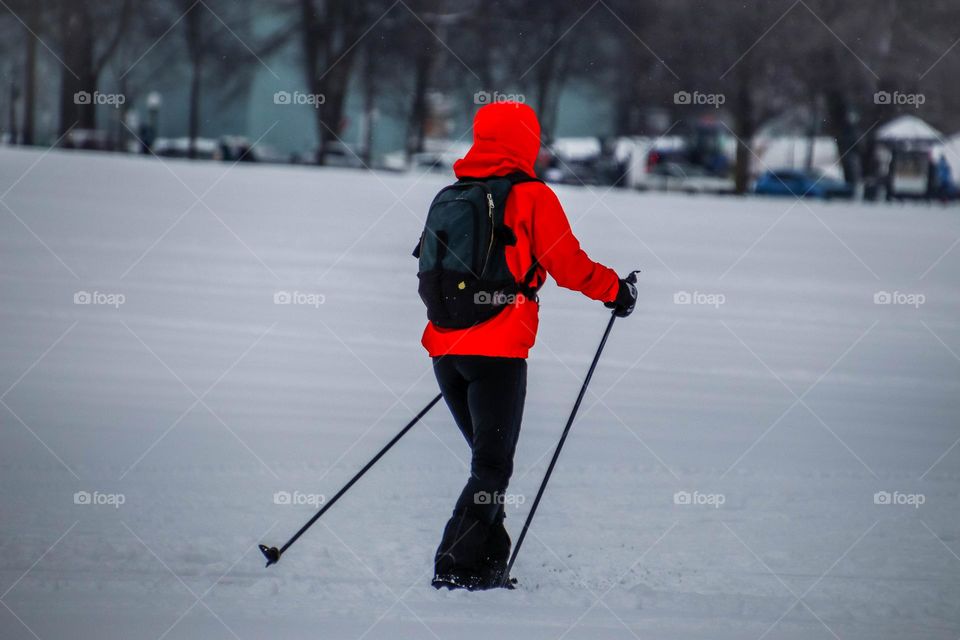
(632, 278)
(272, 554)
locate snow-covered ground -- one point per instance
(782, 411)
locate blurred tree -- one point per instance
(32, 28)
(426, 54)
(383, 76)
(330, 32)
(31, 13)
(218, 46)
(89, 33)
(838, 39)
(737, 52)
(634, 72)
(546, 51)
(821, 59)
(198, 47)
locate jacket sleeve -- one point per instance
(559, 252)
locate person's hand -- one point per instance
(626, 299)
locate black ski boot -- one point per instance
(473, 555)
(496, 553)
(459, 558)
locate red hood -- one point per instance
(506, 138)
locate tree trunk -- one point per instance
(79, 82)
(369, 104)
(746, 128)
(813, 132)
(311, 49)
(12, 112)
(30, 74)
(331, 113)
(418, 109)
(194, 119)
(546, 100)
(838, 109)
(195, 48)
(484, 66)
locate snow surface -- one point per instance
(198, 399)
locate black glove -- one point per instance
(626, 299)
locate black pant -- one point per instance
(485, 395)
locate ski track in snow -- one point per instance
(199, 398)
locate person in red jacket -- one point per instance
(482, 370)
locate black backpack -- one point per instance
(464, 278)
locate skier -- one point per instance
(482, 369)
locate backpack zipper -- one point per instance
(490, 207)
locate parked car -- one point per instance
(204, 148)
(88, 140)
(684, 177)
(575, 172)
(237, 149)
(433, 161)
(799, 183)
(338, 155)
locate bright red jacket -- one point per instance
(506, 139)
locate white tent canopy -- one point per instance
(907, 128)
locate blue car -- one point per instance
(795, 182)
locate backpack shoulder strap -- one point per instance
(518, 176)
(526, 284)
